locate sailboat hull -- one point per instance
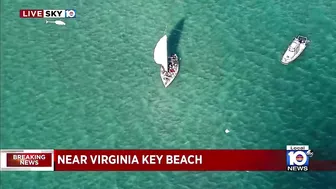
(168, 77)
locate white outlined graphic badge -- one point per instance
(70, 13)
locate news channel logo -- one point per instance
(70, 13)
(298, 157)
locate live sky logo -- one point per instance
(49, 13)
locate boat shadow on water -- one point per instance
(174, 38)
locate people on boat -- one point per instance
(167, 74)
(172, 63)
(301, 39)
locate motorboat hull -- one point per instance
(168, 77)
(288, 56)
(287, 61)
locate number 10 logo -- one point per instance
(70, 13)
(298, 158)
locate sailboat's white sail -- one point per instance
(160, 53)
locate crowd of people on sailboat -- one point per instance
(172, 66)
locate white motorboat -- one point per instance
(169, 66)
(294, 50)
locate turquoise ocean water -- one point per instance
(94, 84)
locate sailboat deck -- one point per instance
(168, 76)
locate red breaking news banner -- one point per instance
(29, 159)
(177, 160)
(152, 160)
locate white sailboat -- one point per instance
(169, 66)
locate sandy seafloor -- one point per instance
(93, 84)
